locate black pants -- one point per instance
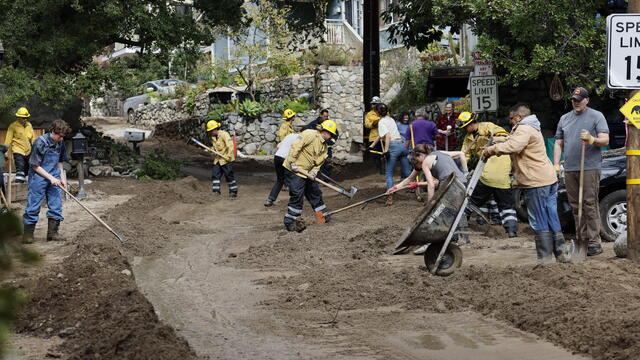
(506, 204)
(377, 158)
(22, 166)
(280, 178)
(227, 171)
(299, 189)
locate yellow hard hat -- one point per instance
(330, 126)
(23, 113)
(288, 114)
(466, 118)
(212, 125)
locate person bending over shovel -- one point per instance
(223, 161)
(306, 156)
(46, 177)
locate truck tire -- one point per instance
(613, 215)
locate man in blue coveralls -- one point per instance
(45, 180)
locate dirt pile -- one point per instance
(91, 298)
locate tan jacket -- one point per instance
(371, 122)
(308, 152)
(531, 164)
(286, 128)
(497, 169)
(223, 143)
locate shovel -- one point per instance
(120, 238)
(207, 148)
(354, 189)
(335, 188)
(580, 248)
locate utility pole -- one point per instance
(633, 172)
(371, 51)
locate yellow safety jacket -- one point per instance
(285, 129)
(497, 169)
(371, 122)
(308, 152)
(223, 143)
(19, 138)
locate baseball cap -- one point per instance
(579, 94)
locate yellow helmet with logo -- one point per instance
(288, 114)
(330, 126)
(466, 118)
(23, 113)
(212, 125)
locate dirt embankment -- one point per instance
(88, 300)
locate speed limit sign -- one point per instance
(484, 93)
(623, 51)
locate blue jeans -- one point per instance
(397, 151)
(542, 208)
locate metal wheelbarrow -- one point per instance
(436, 225)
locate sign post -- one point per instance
(623, 72)
(484, 93)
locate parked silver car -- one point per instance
(166, 86)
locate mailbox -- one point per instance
(79, 145)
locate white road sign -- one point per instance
(623, 51)
(484, 93)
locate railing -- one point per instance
(335, 32)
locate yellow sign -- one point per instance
(631, 110)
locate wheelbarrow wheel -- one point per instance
(451, 260)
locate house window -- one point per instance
(384, 6)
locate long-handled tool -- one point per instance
(335, 188)
(209, 149)
(4, 200)
(353, 191)
(363, 202)
(120, 238)
(580, 250)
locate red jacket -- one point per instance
(442, 123)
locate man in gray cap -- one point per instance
(583, 123)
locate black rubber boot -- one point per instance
(559, 248)
(544, 246)
(512, 229)
(27, 235)
(52, 231)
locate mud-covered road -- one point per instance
(219, 278)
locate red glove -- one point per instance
(413, 185)
(393, 188)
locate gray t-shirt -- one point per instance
(569, 129)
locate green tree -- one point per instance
(525, 39)
(50, 43)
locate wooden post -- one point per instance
(633, 172)
(9, 191)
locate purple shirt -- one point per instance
(423, 132)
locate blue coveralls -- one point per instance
(47, 154)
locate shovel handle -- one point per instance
(92, 214)
(335, 188)
(363, 202)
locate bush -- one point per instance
(297, 105)
(250, 109)
(158, 166)
(330, 54)
(413, 92)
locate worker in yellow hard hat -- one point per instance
(19, 138)
(495, 179)
(286, 127)
(306, 156)
(223, 159)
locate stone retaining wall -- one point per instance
(336, 88)
(292, 86)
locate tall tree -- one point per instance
(525, 38)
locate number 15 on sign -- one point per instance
(484, 93)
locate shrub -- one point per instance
(157, 165)
(330, 54)
(250, 109)
(297, 105)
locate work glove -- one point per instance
(586, 136)
(294, 167)
(392, 189)
(413, 185)
(311, 175)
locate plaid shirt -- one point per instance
(442, 123)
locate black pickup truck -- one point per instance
(613, 198)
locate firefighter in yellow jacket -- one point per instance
(496, 177)
(223, 160)
(19, 138)
(286, 127)
(306, 156)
